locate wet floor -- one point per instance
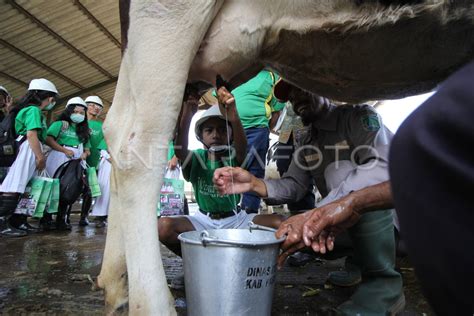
(53, 273)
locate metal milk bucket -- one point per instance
(230, 271)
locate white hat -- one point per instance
(94, 99)
(76, 101)
(42, 84)
(213, 111)
(4, 89)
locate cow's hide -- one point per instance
(342, 49)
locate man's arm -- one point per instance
(318, 227)
(273, 121)
(291, 187)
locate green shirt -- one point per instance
(30, 118)
(255, 101)
(95, 139)
(68, 137)
(102, 145)
(199, 171)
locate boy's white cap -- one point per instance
(76, 101)
(213, 111)
(42, 84)
(94, 99)
(4, 89)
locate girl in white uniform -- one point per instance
(30, 126)
(101, 206)
(68, 137)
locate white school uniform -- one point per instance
(57, 158)
(22, 170)
(101, 206)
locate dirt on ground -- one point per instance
(53, 273)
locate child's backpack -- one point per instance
(9, 147)
(72, 180)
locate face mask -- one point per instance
(77, 118)
(50, 106)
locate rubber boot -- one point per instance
(47, 223)
(8, 204)
(350, 276)
(20, 221)
(61, 217)
(7, 207)
(86, 206)
(6, 230)
(381, 289)
(101, 221)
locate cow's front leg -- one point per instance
(113, 275)
(162, 41)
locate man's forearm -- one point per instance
(259, 187)
(372, 198)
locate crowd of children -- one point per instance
(40, 149)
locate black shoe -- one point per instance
(8, 231)
(300, 259)
(83, 222)
(28, 228)
(101, 221)
(64, 226)
(20, 221)
(46, 222)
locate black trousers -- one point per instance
(432, 174)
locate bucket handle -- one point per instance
(253, 226)
(207, 239)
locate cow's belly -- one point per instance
(387, 62)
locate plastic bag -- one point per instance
(93, 182)
(52, 206)
(35, 198)
(171, 201)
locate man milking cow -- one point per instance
(345, 150)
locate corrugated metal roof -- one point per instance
(73, 43)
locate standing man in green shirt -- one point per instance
(94, 109)
(258, 110)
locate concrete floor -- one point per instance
(53, 273)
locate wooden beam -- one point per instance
(97, 23)
(20, 82)
(59, 38)
(39, 63)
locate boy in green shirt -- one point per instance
(215, 211)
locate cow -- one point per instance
(346, 50)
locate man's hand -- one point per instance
(233, 180)
(326, 222)
(293, 229)
(227, 104)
